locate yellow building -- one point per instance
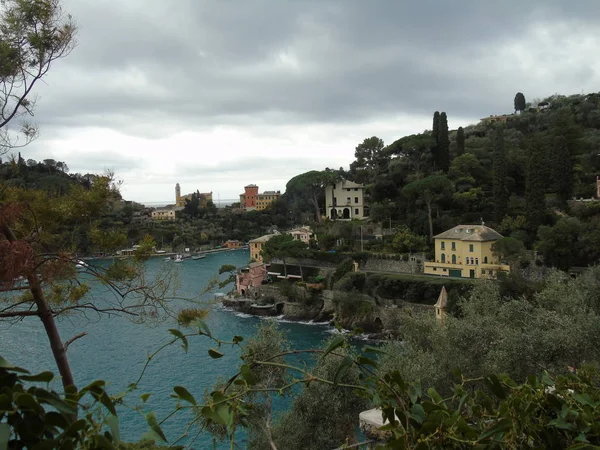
(256, 247)
(266, 198)
(166, 213)
(180, 199)
(465, 251)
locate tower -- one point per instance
(250, 196)
(177, 194)
(441, 305)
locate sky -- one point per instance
(219, 94)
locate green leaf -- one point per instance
(4, 433)
(154, 426)
(145, 397)
(203, 328)
(44, 377)
(180, 335)
(55, 401)
(433, 394)
(493, 383)
(211, 414)
(247, 375)
(103, 443)
(108, 403)
(363, 360)
(371, 349)
(237, 339)
(27, 402)
(500, 427)
(337, 342)
(214, 353)
(417, 413)
(342, 369)
(184, 394)
(115, 431)
(4, 364)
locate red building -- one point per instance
(250, 277)
(250, 196)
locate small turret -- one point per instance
(441, 305)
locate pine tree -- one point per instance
(562, 169)
(460, 141)
(520, 103)
(443, 143)
(499, 190)
(535, 198)
(434, 134)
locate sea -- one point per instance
(115, 350)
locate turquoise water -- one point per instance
(115, 349)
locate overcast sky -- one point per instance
(219, 94)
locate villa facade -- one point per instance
(344, 200)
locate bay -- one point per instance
(116, 350)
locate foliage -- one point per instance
(534, 195)
(520, 104)
(460, 141)
(500, 192)
(33, 35)
(443, 143)
(407, 242)
(283, 246)
(308, 189)
(560, 245)
(494, 334)
(563, 169)
(508, 249)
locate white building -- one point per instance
(344, 200)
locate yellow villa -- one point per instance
(465, 251)
(256, 247)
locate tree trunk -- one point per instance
(430, 221)
(315, 203)
(45, 314)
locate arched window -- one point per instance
(477, 261)
(453, 259)
(443, 257)
(485, 260)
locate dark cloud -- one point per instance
(148, 68)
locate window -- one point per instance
(471, 248)
(355, 199)
(477, 261)
(356, 189)
(443, 245)
(443, 257)
(348, 189)
(356, 211)
(347, 199)
(454, 246)
(453, 259)
(435, 269)
(485, 260)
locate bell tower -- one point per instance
(177, 194)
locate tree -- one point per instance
(429, 190)
(460, 141)
(435, 131)
(560, 245)
(38, 269)
(443, 144)
(520, 103)
(508, 249)
(499, 191)
(406, 241)
(33, 34)
(370, 156)
(308, 188)
(283, 246)
(535, 197)
(563, 169)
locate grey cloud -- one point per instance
(202, 63)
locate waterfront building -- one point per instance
(344, 200)
(251, 200)
(256, 247)
(233, 244)
(465, 251)
(250, 277)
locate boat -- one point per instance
(202, 256)
(80, 265)
(178, 258)
(168, 258)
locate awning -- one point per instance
(274, 273)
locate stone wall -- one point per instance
(382, 265)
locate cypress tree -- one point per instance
(434, 134)
(520, 103)
(499, 190)
(460, 141)
(562, 169)
(535, 198)
(443, 142)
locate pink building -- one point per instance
(250, 277)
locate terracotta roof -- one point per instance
(479, 233)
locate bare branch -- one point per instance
(73, 339)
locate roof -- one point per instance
(254, 264)
(263, 239)
(478, 233)
(442, 302)
(351, 184)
